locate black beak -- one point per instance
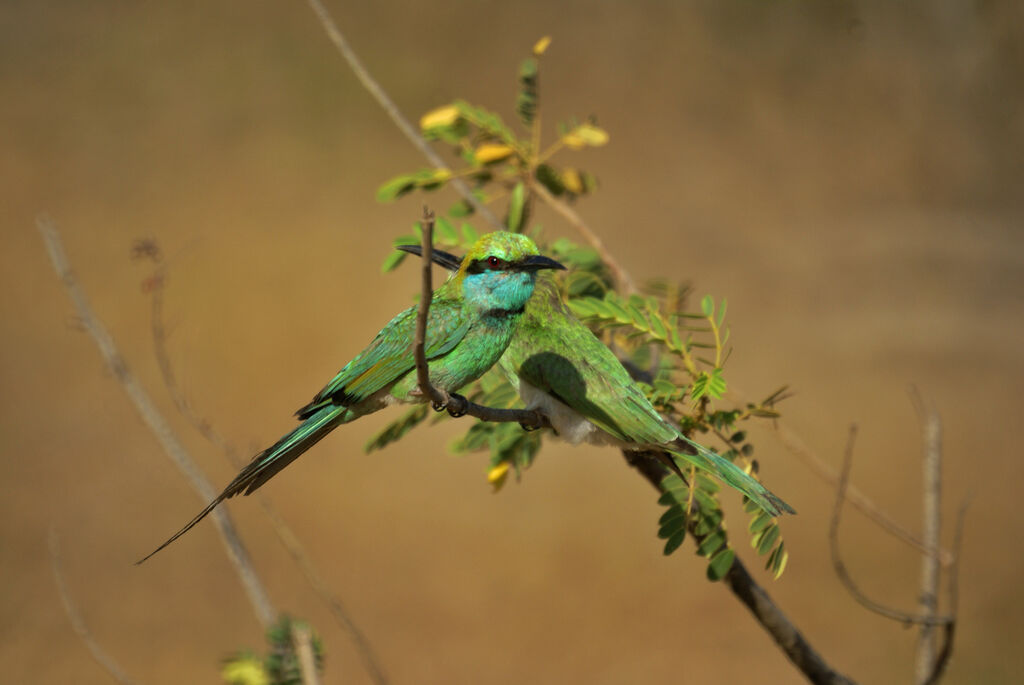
(452, 263)
(440, 257)
(537, 262)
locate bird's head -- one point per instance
(499, 271)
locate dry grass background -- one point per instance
(849, 177)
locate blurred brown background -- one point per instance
(848, 174)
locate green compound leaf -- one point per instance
(446, 231)
(674, 542)
(395, 430)
(392, 261)
(720, 564)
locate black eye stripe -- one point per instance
(480, 265)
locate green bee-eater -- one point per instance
(561, 369)
(471, 320)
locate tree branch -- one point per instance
(77, 622)
(840, 567)
(931, 439)
(743, 586)
(799, 449)
(338, 39)
(619, 273)
(237, 553)
(156, 285)
(302, 641)
(457, 405)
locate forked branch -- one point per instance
(457, 405)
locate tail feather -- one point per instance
(731, 475)
(269, 463)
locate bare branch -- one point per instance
(946, 649)
(439, 398)
(302, 640)
(619, 273)
(457, 405)
(931, 438)
(382, 98)
(77, 622)
(288, 538)
(742, 585)
(840, 567)
(237, 553)
(816, 464)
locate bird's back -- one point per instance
(574, 367)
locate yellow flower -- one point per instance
(245, 671)
(585, 134)
(496, 476)
(492, 152)
(439, 118)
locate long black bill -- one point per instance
(452, 263)
(440, 257)
(537, 262)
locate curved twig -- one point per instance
(840, 567)
(77, 622)
(457, 405)
(237, 554)
(619, 273)
(798, 448)
(382, 98)
(157, 285)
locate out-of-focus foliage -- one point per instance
(279, 666)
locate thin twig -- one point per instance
(157, 285)
(457, 405)
(237, 553)
(798, 448)
(931, 439)
(382, 98)
(77, 622)
(946, 648)
(302, 641)
(619, 273)
(840, 567)
(742, 585)
(439, 398)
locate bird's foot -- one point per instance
(457, 405)
(536, 424)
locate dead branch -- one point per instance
(757, 600)
(384, 100)
(619, 273)
(75, 616)
(302, 641)
(147, 410)
(840, 567)
(285, 534)
(817, 465)
(931, 439)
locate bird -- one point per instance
(561, 369)
(471, 319)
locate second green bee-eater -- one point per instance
(471, 320)
(561, 369)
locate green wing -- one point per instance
(579, 370)
(390, 355)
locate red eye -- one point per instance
(493, 261)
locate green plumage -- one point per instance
(560, 367)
